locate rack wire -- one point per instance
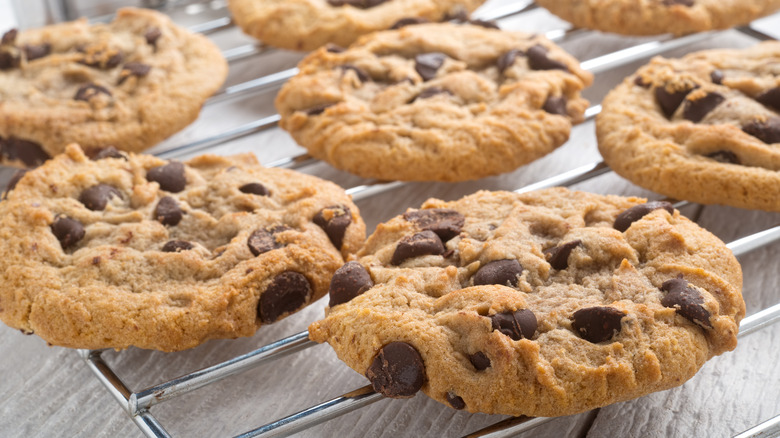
(138, 404)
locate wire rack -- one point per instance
(211, 18)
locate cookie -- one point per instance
(546, 303)
(654, 17)
(309, 24)
(130, 83)
(130, 250)
(435, 102)
(704, 128)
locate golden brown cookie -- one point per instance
(435, 102)
(130, 84)
(543, 304)
(654, 17)
(704, 128)
(309, 24)
(130, 250)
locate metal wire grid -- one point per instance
(138, 404)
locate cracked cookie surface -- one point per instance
(654, 17)
(412, 104)
(703, 128)
(130, 250)
(309, 24)
(130, 83)
(546, 303)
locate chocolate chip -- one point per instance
(507, 59)
(458, 14)
(538, 59)
(88, 91)
(503, 272)
(170, 176)
(555, 105)
(286, 293)
(716, 76)
(152, 35)
(688, 3)
(770, 98)
(334, 48)
(360, 4)
(517, 325)
(36, 51)
(319, 109)
(9, 38)
(640, 81)
(8, 61)
(455, 401)
(397, 370)
(633, 214)
(597, 324)
(422, 243)
(427, 64)
(558, 256)
(480, 361)
(334, 220)
(96, 154)
(102, 59)
(686, 300)
(669, 101)
(444, 222)
(168, 211)
(177, 246)
(361, 74)
(28, 152)
(410, 21)
(17, 176)
(68, 231)
(767, 131)
(724, 156)
(136, 69)
(696, 110)
(254, 189)
(348, 282)
(430, 92)
(264, 240)
(96, 197)
(484, 23)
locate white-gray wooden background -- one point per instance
(48, 391)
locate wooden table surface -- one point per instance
(48, 391)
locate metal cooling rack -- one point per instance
(138, 403)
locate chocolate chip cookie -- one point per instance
(704, 128)
(309, 24)
(124, 250)
(435, 102)
(543, 304)
(654, 17)
(130, 83)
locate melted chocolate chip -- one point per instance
(633, 214)
(597, 324)
(177, 246)
(348, 282)
(319, 109)
(484, 23)
(686, 300)
(397, 370)
(88, 91)
(170, 176)
(264, 240)
(555, 105)
(28, 152)
(17, 176)
(96, 154)
(422, 243)
(254, 189)
(287, 293)
(770, 98)
(687, 3)
(538, 59)
(480, 361)
(333, 48)
(361, 74)
(102, 60)
(696, 110)
(716, 76)
(444, 222)
(558, 256)
(507, 59)
(503, 272)
(36, 51)
(96, 197)
(360, 4)
(168, 211)
(640, 82)
(767, 131)
(9, 61)
(430, 92)
(334, 220)
(725, 157)
(517, 325)
(427, 64)
(410, 21)
(669, 101)
(455, 401)
(9, 38)
(152, 35)
(68, 231)
(136, 69)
